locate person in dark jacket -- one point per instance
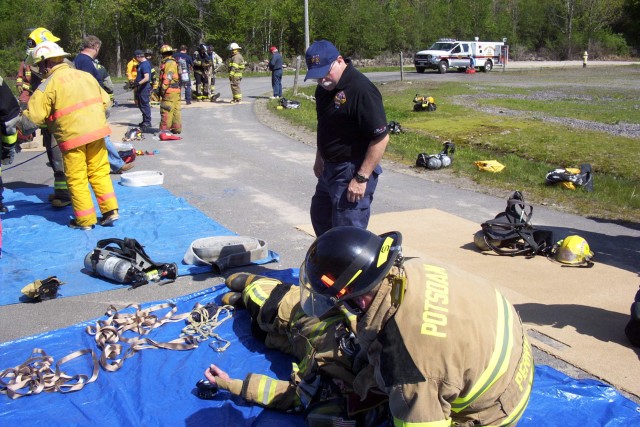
(275, 65)
(186, 68)
(351, 139)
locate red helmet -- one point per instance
(273, 49)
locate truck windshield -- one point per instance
(441, 46)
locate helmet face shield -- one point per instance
(313, 304)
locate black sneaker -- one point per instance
(109, 218)
(74, 224)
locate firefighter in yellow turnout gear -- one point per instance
(447, 351)
(170, 114)
(72, 105)
(236, 67)
(323, 347)
(60, 196)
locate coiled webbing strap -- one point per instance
(116, 347)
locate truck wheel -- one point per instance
(488, 66)
(420, 69)
(442, 67)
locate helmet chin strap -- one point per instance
(353, 307)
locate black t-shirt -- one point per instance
(349, 117)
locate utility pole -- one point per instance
(306, 25)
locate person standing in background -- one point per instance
(275, 65)
(185, 63)
(236, 67)
(85, 61)
(132, 72)
(201, 72)
(169, 90)
(216, 62)
(153, 79)
(142, 86)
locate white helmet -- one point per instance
(45, 50)
(233, 46)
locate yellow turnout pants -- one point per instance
(84, 165)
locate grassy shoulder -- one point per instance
(532, 122)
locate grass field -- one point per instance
(531, 122)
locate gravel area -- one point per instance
(628, 130)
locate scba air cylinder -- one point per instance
(107, 264)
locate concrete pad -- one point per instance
(575, 314)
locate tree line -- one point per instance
(548, 29)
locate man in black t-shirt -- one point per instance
(351, 139)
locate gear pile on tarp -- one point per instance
(37, 236)
(157, 386)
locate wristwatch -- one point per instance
(361, 178)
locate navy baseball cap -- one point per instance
(138, 53)
(319, 57)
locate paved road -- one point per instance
(258, 182)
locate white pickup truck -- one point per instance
(450, 53)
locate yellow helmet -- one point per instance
(40, 35)
(165, 48)
(573, 250)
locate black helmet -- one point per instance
(343, 263)
(202, 47)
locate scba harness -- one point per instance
(511, 232)
(125, 261)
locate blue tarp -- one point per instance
(157, 387)
(37, 242)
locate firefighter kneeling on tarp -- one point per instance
(413, 321)
(170, 115)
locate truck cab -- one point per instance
(451, 53)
